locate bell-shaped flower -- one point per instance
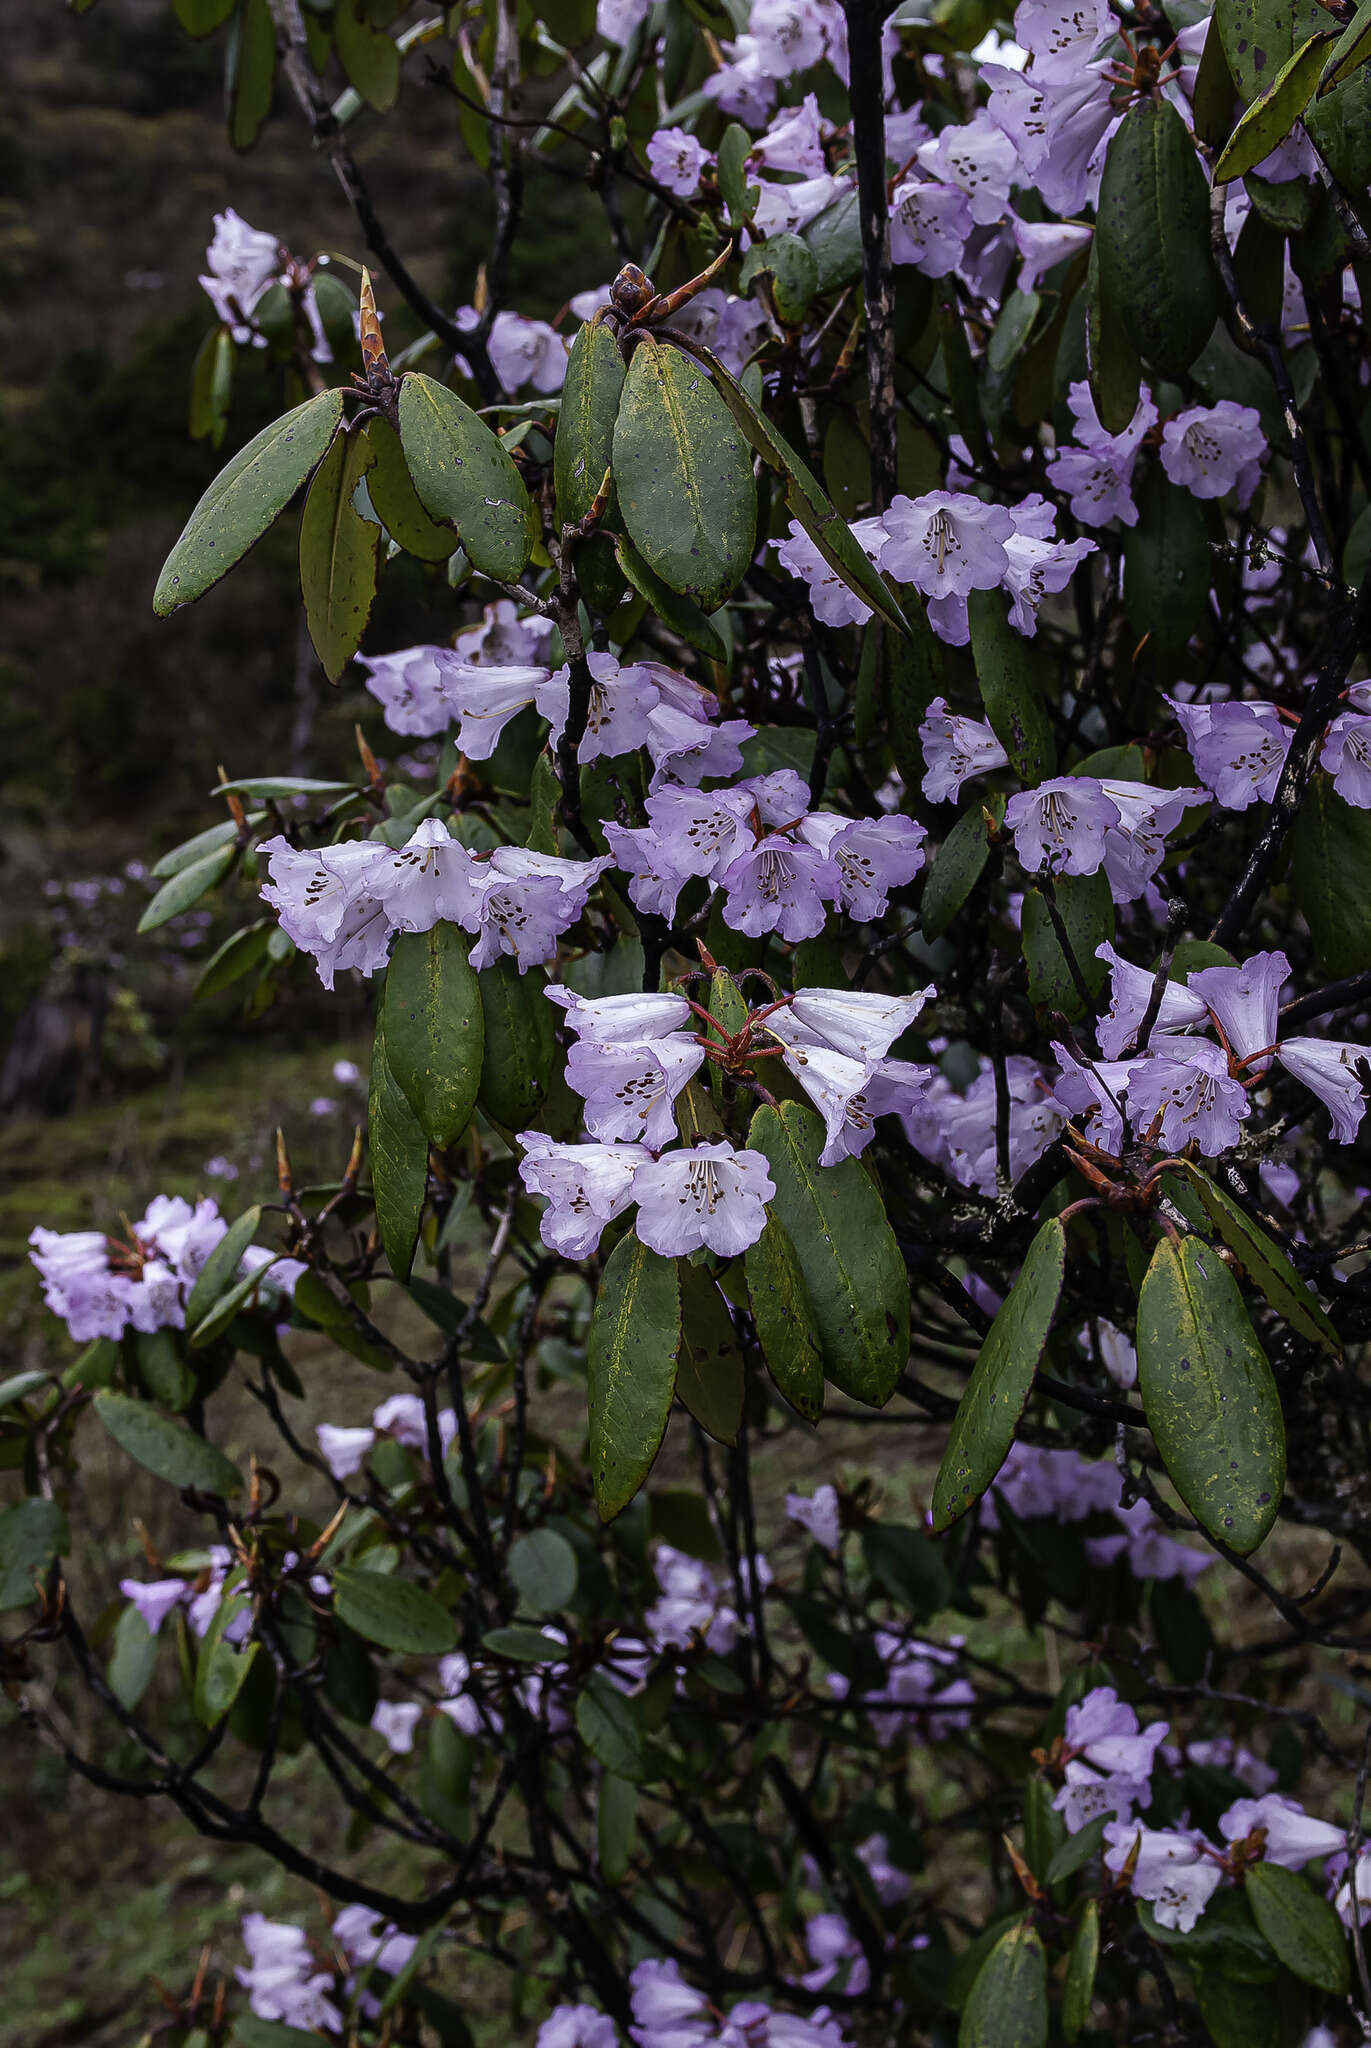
(1210, 450)
(978, 158)
(484, 698)
(706, 1195)
(154, 1599)
(1245, 1001)
(1058, 127)
(1187, 1093)
(1334, 1071)
(619, 1019)
(817, 1513)
(242, 262)
(676, 158)
(312, 893)
(586, 1187)
(1059, 828)
(1135, 848)
(795, 142)
(1293, 1838)
(686, 751)
(872, 856)
(666, 2008)
(396, 1722)
(1172, 1871)
(1036, 568)
(1096, 470)
(783, 209)
(833, 602)
(954, 749)
(1094, 1093)
(1042, 245)
(431, 878)
(577, 2026)
(1150, 1550)
(1130, 999)
(344, 1450)
(850, 1094)
(1346, 754)
(860, 1024)
(1061, 35)
(929, 226)
(408, 686)
(630, 1090)
(1239, 749)
(946, 543)
(526, 901)
(778, 885)
(688, 834)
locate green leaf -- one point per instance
(735, 146)
(1078, 1990)
(283, 785)
(399, 1163)
(32, 1534)
(789, 272)
(853, 1271)
(463, 477)
(238, 955)
(542, 1566)
(635, 1333)
(393, 1612)
(1212, 94)
(1001, 1379)
(1236, 2013)
(314, 1300)
(211, 387)
(908, 1565)
(1007, 2007)
(1152, 232)
(520, 1043)
(709, 1364)
(187, 886)
(1077, 1850)
(1350, 52)
(395, 501)
(221, 1670)
(835, 237)
(616, 1826)
(164, 1373)
(610, 1727)
(1007, 673)
(784, 1316)
(202, 17)
(1211, 1402)
(1331, 853)
(132, 1660)
(250, 2032)
(21, 1384)
(1168, 564)
(1259, 36)
(681, 613)
(1301, 1927)
(583, 449)
(1275, 110)
(1264, 1263)
(244, 1293)
(250, 72)
(165, 1448)
(520, 1645)
(433, 1027)
(683, 475)
(245, 498)
(1111, 355)
(191, 850)
(220, 1269)
(338, 554)
(368, 55)
(958, 865)
(1085, 905)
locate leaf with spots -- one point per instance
(464, 478)
(1211, 1402)
(1001, 1379)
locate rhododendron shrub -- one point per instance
(876, 931)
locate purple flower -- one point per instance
(503, 639)
(368, 1941)
(754, 2025)
(871, 856)
(1097, 472)
(1187, 1094)
(409, 687)
(778, 885)
(1346, 754)
(1061, 35)
(522, 351)
(395, 1721)
(831, 1944)
(818, 1513)
(929, 226)
(946, 543)
(78, 1285)
(917, 1696)
(586, 1187)
(344, 1451)
(978, 158)
(1150, 1551)
(691, 1606)
(958, 1131)
(688, 834)
(850, 1094)
(1130, 999)
(795, 142)
(1094, 1093)
(615, 1020)
(833, 602)
(155, 1600)
(577, 2026)
(526, 901)
(1334, 1071)
(1037, 565)
(484, 698)
(1044, 244)
(1172, 1873)
(1059, 828)
(667, 2012)
(242, 264)
(280, 1979)
(684, 750)
(954, 749)
(785, 209)
(676, 159)
(323, 903)
(430, 878)
(1104, 1730)
(1239, 749)
(1245, 1002)
(1135, 848)
(705, 1195)
(1058, 127)
(403, 1419)
(630, 1089)
(1212, 449)
(852, 1021)
(1062, 1486)
(1292, 1838)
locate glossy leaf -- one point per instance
(1264, 1263)
(211, 387)
(1331, 857)
(1275, 110)
(1085, 905)
(1301, 1927)
(165, 1448)
(1007, 2005)
(368, 55)
(1168, 564)
(164, 1373)
(220, 1269)
(520, 1045)
(1259, 37)
(709, 1364)
(958, 865)
(393, 1612)
(853, 1271)
(434, 1029)
(1007, 676)
(635, 1333)
(133, 1659)
(245, 498)
(1152, 231)
(784, 1316)
(835, 239)
(399, 1163)
(583, 449)
(32, 1534)
(395, 501)
(1001, 1379)
(187, 886)
(1351, 50)
(463, 477)
(1111, 355)
(1078, 1990)
(221, 1669)
(680, 613)
(683, 475)
(250, 72)
(789, 272)
(238, 955)
(1211, 1402)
